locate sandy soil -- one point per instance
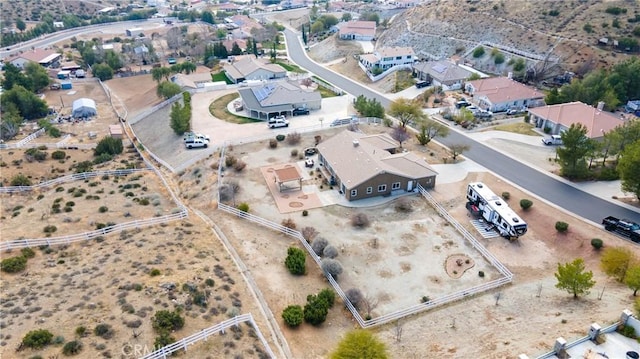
(522, 322)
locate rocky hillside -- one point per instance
(568, 29)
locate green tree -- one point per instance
(207, 17)
(180, 118)
(316, 310)
(573, 278)
(429, 129)
(632, 279)
(571, 156)
(369, 107)
(24, 102)
(629, 169)
(370, 16)
(37, 339)
(188, 67)
(165, 321)
(304, 35)
(109, 145)
(478, 52)
(346, 16)
(13, 264)
(112, 59)
(10, 122)
(406, 111)
(168, 89)
(13, 76)
(317, 27)
(295, 261)
(103, 72)
(293, 315)
(615, 262)
(360, 344)
(21, 25)
(158, 73)
(235, 49)
(329, 20)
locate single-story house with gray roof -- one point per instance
(249, 67)
(441, 73)
(278, 98)
(364, 166)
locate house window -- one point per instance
(354, 192)
(395, 185)
(398, 57)
(382, 188)
(369, 190)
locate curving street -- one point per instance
(553, 190)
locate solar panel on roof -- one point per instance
(440, 68)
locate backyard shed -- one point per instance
(84, 107)
(115, 131)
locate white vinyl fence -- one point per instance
(70, 178)
(219, 328)
(452, 297)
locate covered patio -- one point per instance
(287, 175)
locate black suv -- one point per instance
(421, 84)
(300, 111)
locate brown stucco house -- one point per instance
(365, 166)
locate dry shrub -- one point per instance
(309, 233)
(239, 165)
(289, 223)
(228, 190)
(355, 297)
(360, 220)
(293, 138)
(318, 245)
(404, 205)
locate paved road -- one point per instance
(551, 189)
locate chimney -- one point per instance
(356, 143)
(600, 106)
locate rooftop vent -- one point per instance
(356, 143)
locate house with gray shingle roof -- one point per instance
(278, 98)
(364, 166)
(251, 68)
(441, 73)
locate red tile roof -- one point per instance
(503, 89)
(597, 122)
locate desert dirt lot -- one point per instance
(522, 322)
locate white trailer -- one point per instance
(495, 211)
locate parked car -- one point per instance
(462, 103)
(516, 111)
(483, 114)
(553, 140)
(300, 111)
(196, 143)
(193, 135)
(278, 121)
(422, 84)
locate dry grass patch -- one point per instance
(520, 127)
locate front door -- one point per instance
(409, 186)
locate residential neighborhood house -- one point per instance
(358, 30)
(43, 57)
(364, 166)
(249, 67)
(499, 94)
(441, 73)
(558, 118)
(386, 58)
(277, 98)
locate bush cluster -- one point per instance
(562, 226)
(597, 243)
(360, 220)
(295, 261)
(109, 145)
(13, 264)
(293, 138)
(165, 321)
(317, 307)
(525, 204)
(37, 339)
(293, 315)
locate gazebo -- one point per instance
(287, 175)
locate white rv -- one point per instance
(495, 210)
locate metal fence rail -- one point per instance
(474, 242)
(219, 328)
(437, 302)
(51, 241)
(71, 178)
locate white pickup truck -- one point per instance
(553, 140)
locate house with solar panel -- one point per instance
(277, 99)
(365, 166)
(245, 68)
(441, 73)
